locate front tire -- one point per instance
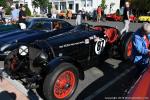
(61, 83)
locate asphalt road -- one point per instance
(118, 25)
(112, 78)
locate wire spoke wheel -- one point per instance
(64, 84)
(129, 49)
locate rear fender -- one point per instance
(124, 38)
(55, 62)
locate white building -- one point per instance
(87, 5)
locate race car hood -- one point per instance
(4, 27)
(20, 36)
(65, 38)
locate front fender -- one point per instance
(58, 60)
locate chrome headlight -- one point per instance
(7, 52)
(23, 50)
(43, 56)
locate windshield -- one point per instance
(41, 25)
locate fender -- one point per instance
(58, 60)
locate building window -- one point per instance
(71, 6)
(62, 5)
(89, 3)
(83, 3)
(56, 6)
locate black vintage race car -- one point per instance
(54, 66)
(37, 29)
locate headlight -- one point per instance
(23, 50)
(7, 52)
(43, 56)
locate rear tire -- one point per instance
(61, 83)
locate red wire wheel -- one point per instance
(13, 63)
(61, 82)
(64, 84)
(129, 49)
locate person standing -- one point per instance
(14, 14)
(126, 17)
(99, 13)
(22, 18)
(1, 15)
(141, 47)
(79, 18)
(53, 12)
(69, 14)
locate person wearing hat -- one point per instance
(141, 47)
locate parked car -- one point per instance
(54, 66)
(116, 17)
(144, 18)
(37, 29)
(8, 27)
(113, 17)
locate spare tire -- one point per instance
(127, 46)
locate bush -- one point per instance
(8, 10)
(49, 7)
(28, 12)
(118, 12)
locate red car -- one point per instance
(116, 17)
(141, 89)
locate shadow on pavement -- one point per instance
(32, 95)
(114, 83)
(5, 95)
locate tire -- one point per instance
(10, 62)
(127, 47)
(50, 86)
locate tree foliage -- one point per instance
(103, 4)
(28, 12)
(141, 5)
(3, 3)
(40, 3)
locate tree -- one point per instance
(28, 12)
(141, 6)
(40, 3)
(43, 4)
(3, 3)
(103, 4)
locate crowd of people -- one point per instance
(18, 15)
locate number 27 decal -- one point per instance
(100, 45)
